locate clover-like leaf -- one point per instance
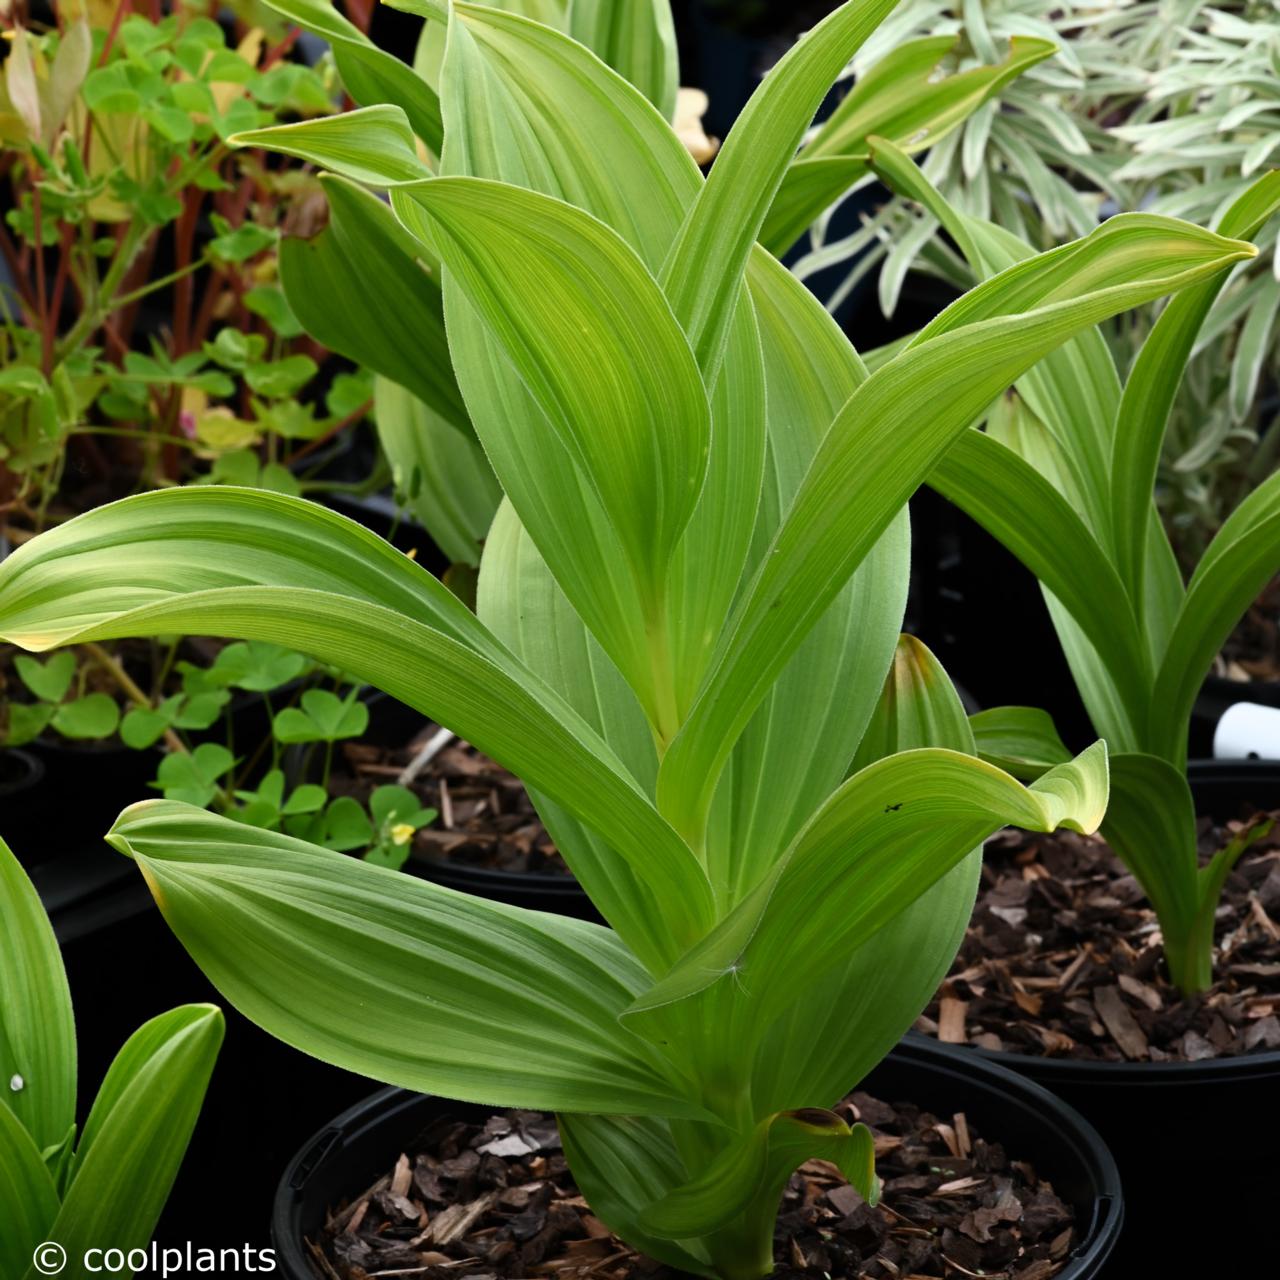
(49, 680)
(94, 716)
(193, 778)
(323, 717)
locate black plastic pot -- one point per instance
(84, 788)
(348, 1155)
(21, 775)
(1196, 1142)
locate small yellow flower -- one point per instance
(402, 832)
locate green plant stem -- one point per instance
(95, 314)
(131, 690)
(125, 299)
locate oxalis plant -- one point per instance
(686, 642)
(1064, 476)
(69, 1189)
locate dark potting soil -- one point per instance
(1252, 651)
(497, 1200)
(486, 818)
(1062, 958)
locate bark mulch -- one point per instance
(1062, 958)
(486, 818)
(496, 1200)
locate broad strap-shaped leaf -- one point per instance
(1241, 559)
(27, 1193)
(37, 1030)
(748, 1176)
(371, 75)
(595, 342)
(256, 566)
(363, 288)
(893, 830)
(458, 995)
(704, 270)
(1154, 381)
(1151, 825)
(891, 434)
(1022, 741)
(902, 99)
(637, 38)
(373, 145)
(442, 474)
(1026, 512)
(137, 1132)
(1074, 391)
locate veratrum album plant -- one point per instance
(686, 643)
(1064, 476)
(105, 1183)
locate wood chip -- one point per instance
(402, 1177)
(454, 1222)
(948, 1135)
(1141, 991)
(951, 1013)
(962, 1133)
(1120, 1022)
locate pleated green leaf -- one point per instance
(749, 1176)
(593, 339)
(901, 99)
(137, 1133)
(1021, 740)
(637, 38)
(1154, 381)
(796, 748)
(362, 287)
(837, 1028)
(371, 75)
(892, 432)
(1240, 561)
(250, 565)
(37, 1031)
(27, 1192)
(1151, 824)
(442, 475)
(1016, 504)
(622, 1164)
(890, 832)
(373, 145)
(704, 269)
(457, 995)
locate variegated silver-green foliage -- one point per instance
(1160, 105)
(108, 1181)
(687, 633)
(1064, 475)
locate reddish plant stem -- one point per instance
(42, 299)
(60, 279)
(278, 51)
(183, 290)
(325, 436)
